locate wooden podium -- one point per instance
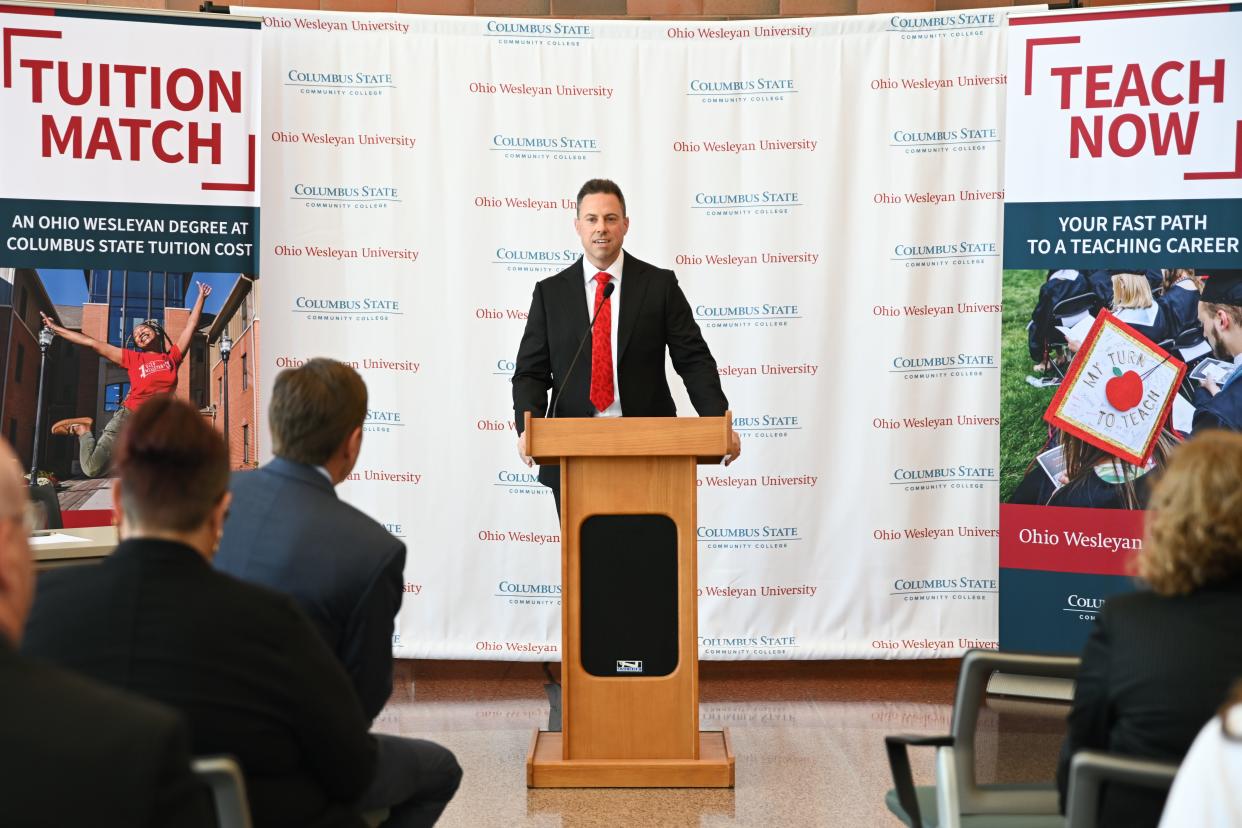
(629, 605)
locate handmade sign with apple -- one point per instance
(1118, 390)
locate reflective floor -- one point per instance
(808, 739)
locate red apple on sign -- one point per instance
(1124, 390)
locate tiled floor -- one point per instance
(808, 738)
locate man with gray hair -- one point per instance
(132, 771)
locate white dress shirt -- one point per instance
(614, 272)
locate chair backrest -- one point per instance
(977, 667)
(1076, 304)
(1089, 769)
(228, 790)
(1190, 336)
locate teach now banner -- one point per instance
(1123, 196)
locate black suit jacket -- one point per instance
(1154, 670)
(244, 666)
(288, 531)
(654, 317)
(73, 752)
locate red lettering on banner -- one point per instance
(1068, 539)
(1126, 143)
(1097, 85)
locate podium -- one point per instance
(629, 604)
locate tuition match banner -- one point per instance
(828, 192)
(1123, 179)
(130, 140)
(129, 176)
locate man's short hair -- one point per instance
(314, 409)
(1234, 312)
(173, 466)
(600, 185)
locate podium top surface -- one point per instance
(704, 438)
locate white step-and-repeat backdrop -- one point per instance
(828, 192)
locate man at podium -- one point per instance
(598, 331)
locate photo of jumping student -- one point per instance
(150, 360)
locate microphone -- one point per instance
(608, 289)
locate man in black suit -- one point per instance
(622, 361)
(288, 531)
(75, 752)
(249, 671)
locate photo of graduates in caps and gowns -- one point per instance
(1171, 317)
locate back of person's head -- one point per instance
(16, 567)
(314, 409)
(1131, 290)
(597, 186)
(1082, 458)
(1194, 523)
(1176, 274)
(173, 467)
(1234, 312)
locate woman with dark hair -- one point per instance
(242, 664)
(1207, 792)
(1099, 480)
(1159, 660)
(152, 368)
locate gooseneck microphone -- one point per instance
(608, 289)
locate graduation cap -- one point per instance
(1117, 393)
(1222, 287)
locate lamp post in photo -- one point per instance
(45, 341)
(226, 347)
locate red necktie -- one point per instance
(601, 348)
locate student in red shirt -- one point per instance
(152, 370)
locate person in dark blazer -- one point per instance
(74, 752)
(1041, 332)
(343, 569)
(621, 368)
(1160, 661)
(1220, 312)
(242, 663)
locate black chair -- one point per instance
(1067, 311)
(957, 800)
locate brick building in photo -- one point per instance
(239, 319)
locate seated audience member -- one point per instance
(1207, 792)
(247, 669)
(73, 752)
(1181, 299)
(1101, 284)
(1099, 480)
(1220, 311)
(1041, 331)
(1134, 305)
(1159, 661)
(343, 569)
